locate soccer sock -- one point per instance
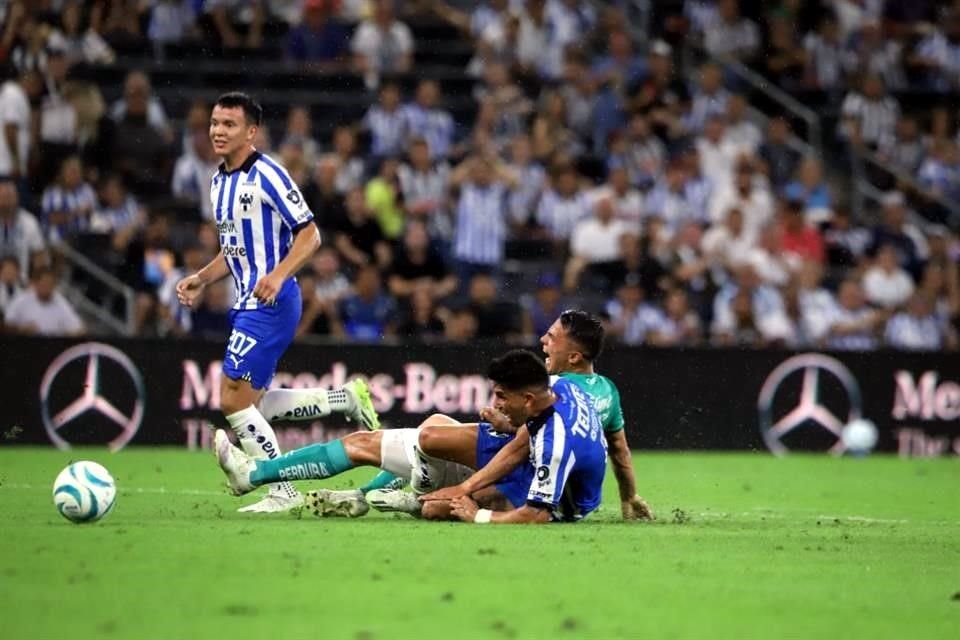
(381, 481)
(303, 404)
(258, 441)
(313, 462)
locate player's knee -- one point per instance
(438, 419)
(429, 438)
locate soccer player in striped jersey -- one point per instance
(563, 479)
(266, 235)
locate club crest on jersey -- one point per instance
(246, 201)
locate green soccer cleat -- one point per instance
(362, 410)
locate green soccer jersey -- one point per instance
(606, 398)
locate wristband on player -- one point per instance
(483, 516)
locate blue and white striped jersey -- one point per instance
(481, 232)
(79, 202)
(258, 208)
(568, 453)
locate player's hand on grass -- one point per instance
(636, 508)
(268, 288)
(447, 493)
(499, 422)
(464, 508)
(189, 289)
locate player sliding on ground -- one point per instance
(571, 345)
(266, 235)
(564, 429)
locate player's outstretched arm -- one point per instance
(468, 511)
(306, 242)
(632, 506)
(506, 460)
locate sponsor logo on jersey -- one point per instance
(231, 251)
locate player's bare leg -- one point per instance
(238, 401)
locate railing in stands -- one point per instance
(110, 286)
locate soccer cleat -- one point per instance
(362, 410)
(274, 503)
(325, 503)
(235, 464)
(394, 501)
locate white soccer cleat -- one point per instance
(235, 464)
(274, 503)
(394, 501)
(362, 411)
(338, 504)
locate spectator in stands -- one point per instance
(424, 185)
(138, 95)
(482, 216)
(11, 285)
(800, 241)
(905, 149)
(423, 321)
(460, 326)
(939, 174)
(350, 166)
(192, 174)
(718, 152)
(211, 318)
(322, 287)
(630, 319)
(783, 58)
(815, 304)
(382, 44)
(173, 318)
(146, 264)
(550, 133)
(779, 160)
(69, 203)
(869, 115)
(678, 326)
(385, 199)
(543, 306)
(95, 129)
(743, 133)
(852, 324)
(937, 57)
(810, 188)
(15, 143)
(118, 215)
(300, 130)
(728, 241)
(417, 265)
(918, 328)
(627, 201)
(424, 118)
(646, 155)
(42, 310)
(81, 43)
(748, 193)
(539, 46)
(732, 35)
(332, 285)
(662, 96)
(140, 147)
(293, 158)
(359, 238)
(496, 318)
(886, 284)
(386, 123)
(595, 246)
(745, 311)
(709, 99)
(326, 202)
(823, 64)
(120, 24)
(912, 248)
(772, 265)
(232, 24)
(671, 199)
(846, 243)
(579, 92)
(941, 283)
(562, 206)
(868, 51)
(172, 21)
(318, 316)
(614, 75)
(368, 314)
(503, 95)
(320, 41)
(530, 181)
(20, 234)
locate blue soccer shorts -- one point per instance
(516, 484)
(259, 337)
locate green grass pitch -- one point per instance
(745, 546)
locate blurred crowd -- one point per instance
(591, 171)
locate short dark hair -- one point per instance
(252, 111)
(586, 330)
(517, 370)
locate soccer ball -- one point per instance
(859, 436)
(84, 492)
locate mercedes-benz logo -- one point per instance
(91, 397)
(819, 372)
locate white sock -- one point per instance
(303, 404)
(259, 441)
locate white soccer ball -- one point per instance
(859, 436)
(84, 492)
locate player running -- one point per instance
(266, 235)
(561, 419)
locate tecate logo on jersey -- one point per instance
(82, 389)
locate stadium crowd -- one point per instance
(590, 172)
